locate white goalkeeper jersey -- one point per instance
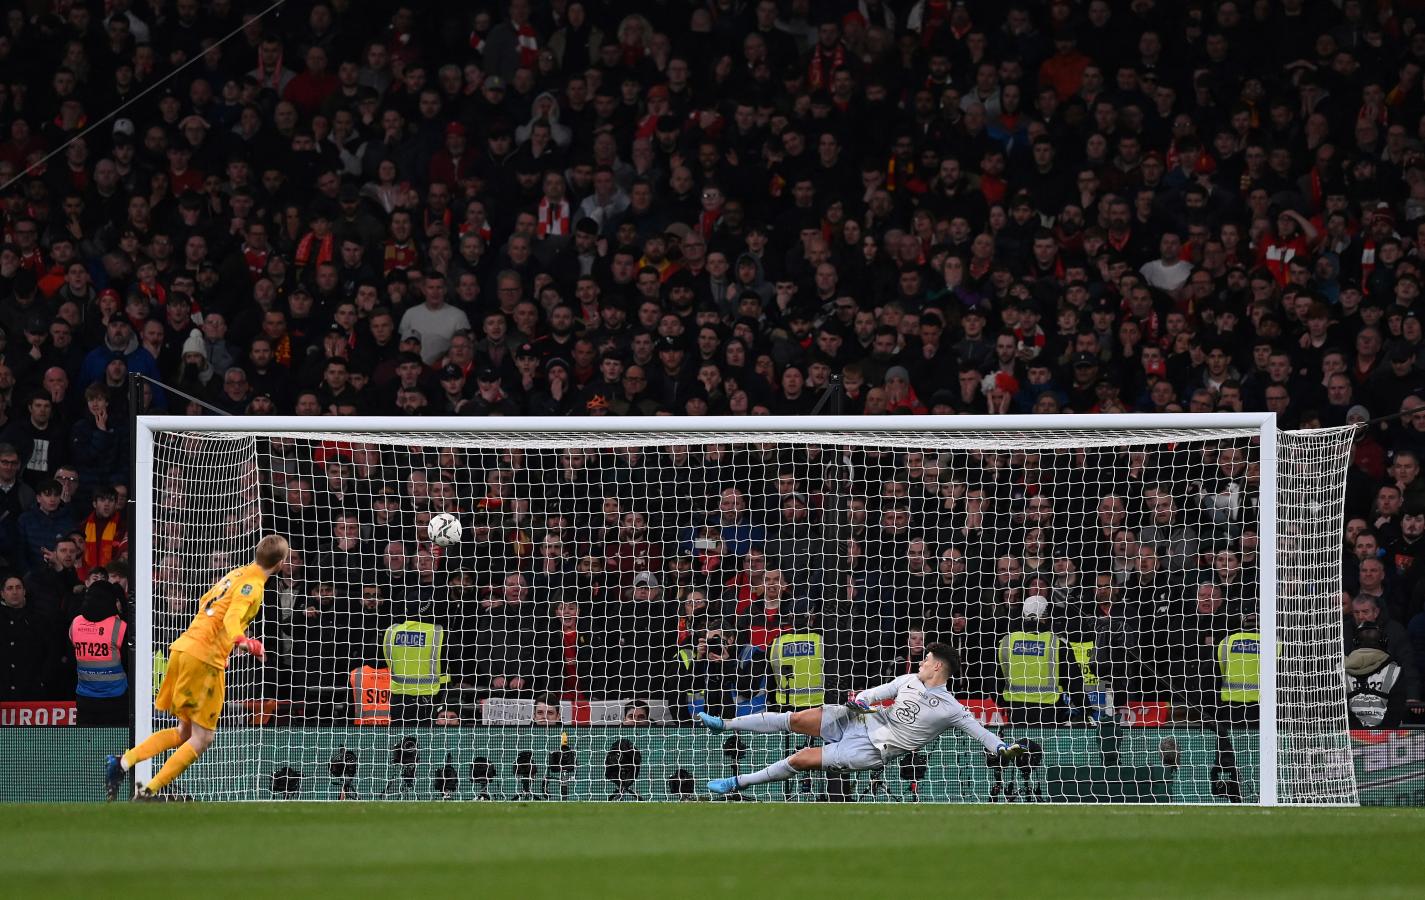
(917, 717)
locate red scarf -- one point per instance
(554, 221)
(34, 261)
(155, 292)
(708, 222)
(1036, 338)
(589, 314)
(397, 256)
(282, 352)
(256, 261)
(528, 45)
(305, 247)
(103, 538)
(1368, 263)
(895, 178)
(1276, 253)
(822, 65)
(484, 230)
(270, 79)
(571, 643)
(646, 127)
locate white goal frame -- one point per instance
(147, 427)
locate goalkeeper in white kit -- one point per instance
(861, 735)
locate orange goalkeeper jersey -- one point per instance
(223, 614)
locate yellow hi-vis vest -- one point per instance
(1029, 663)
(413, 656)
(160, 669)
(1083, 654)
(797, 663)
(1239, 659)
(687, 659)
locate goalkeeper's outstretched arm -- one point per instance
(964, 721)
(881, 692)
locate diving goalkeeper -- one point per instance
(860, 735)
(192, 688)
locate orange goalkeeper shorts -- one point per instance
(192, 691)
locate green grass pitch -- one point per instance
(752, 850)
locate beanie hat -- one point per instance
(196, 344)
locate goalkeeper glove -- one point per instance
(250, 646)
(1011, 752)
(858, 706)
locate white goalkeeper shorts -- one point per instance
(848, 746)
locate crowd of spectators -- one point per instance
(669, 573)
(709, 206)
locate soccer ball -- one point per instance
(444, 529)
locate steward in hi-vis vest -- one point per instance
(370, 696)
(797, 661)
(1239, 661)
(103, 654)
(1038, 670)
(1239, 672)
(413, 655)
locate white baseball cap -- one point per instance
(1036, 607)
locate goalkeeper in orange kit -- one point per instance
(192, 688)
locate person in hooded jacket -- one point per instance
(1375, 692)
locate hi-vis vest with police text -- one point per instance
(370, 696)
(1083, 655)
(1240, 662)
(797, 664)
(96, 657)
(1368, 696)
(413, 655)
(1029, 663)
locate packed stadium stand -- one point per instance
(735, 208)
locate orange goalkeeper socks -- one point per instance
(181, 759)
(151, 746)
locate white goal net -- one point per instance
(1112, 587)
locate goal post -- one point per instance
(617, 575)
(1267, 610)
